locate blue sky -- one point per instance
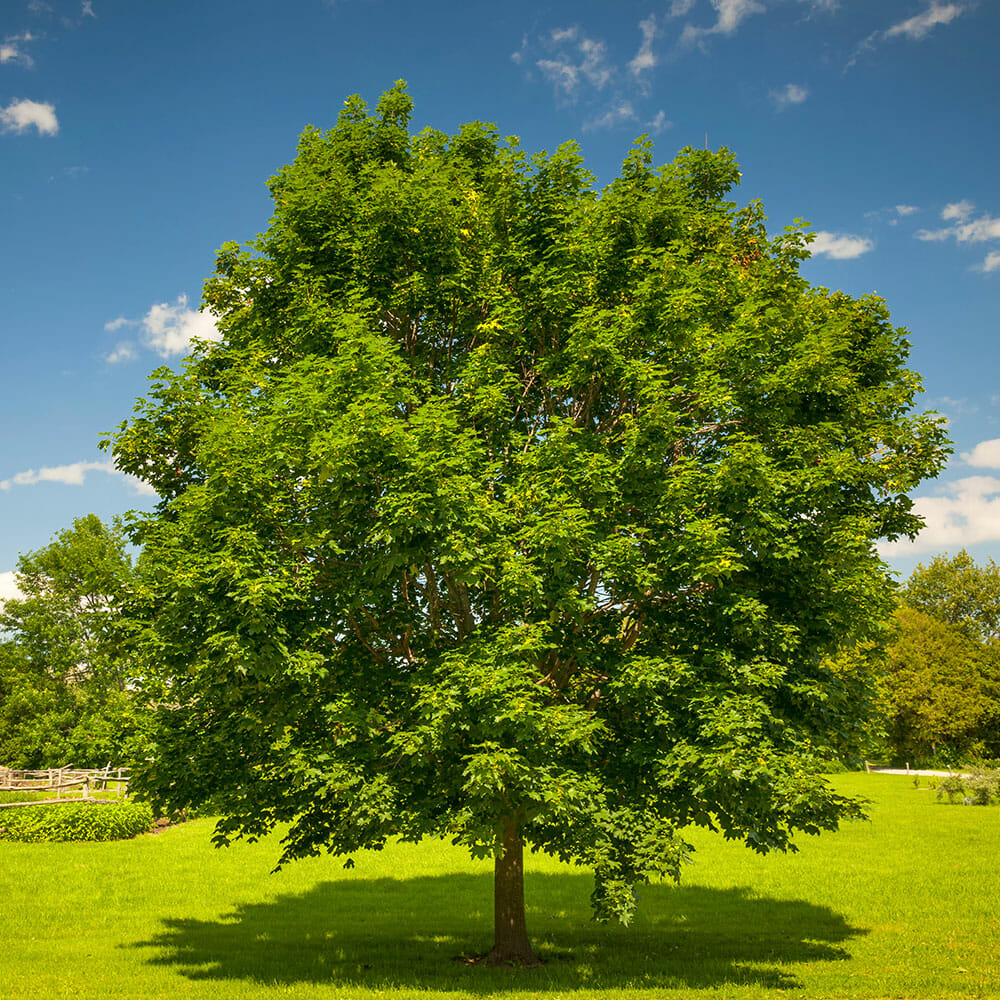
(136, 137)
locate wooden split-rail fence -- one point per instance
(70, 784)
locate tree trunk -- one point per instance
(510, 934)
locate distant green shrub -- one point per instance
(980, 791)
(984, 786)
(950, 786)
(40, 824)
(978, 788)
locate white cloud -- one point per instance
(791, 93)
(966, 513)
(19, 116)
(960, 210)
(11, 50)
(619, 114)
(659, 122)
(986, 227)
(680, 7)
(565, 34)
(891, 216)
(920, 25)
(117, 324)
(169, 329)
(593, 66)
(564, 76)
(125, 351)
(645, 58)
(87, 9)
(70, 475)
(733, 12)
(840, 246)
(913, 28)
(73, 474)
(8, 587)
(986, 455)
(965, 229)
(577, 59)
(730, 14)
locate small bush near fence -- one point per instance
(979, 788)
(38, 824)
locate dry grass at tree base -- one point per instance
(906, 905)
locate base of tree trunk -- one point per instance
(527, 960)
(531, 961)
(510, 935)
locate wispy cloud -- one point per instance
(125, 351)
(12, 50)
(914, 29)
(576, 60)
(618, 114)
(19, 116)
(605, 92)
(659, 122)
(645, 59)
(87, 9)
(966, 229)
(791, 93)
(73, 474)
(920, 25)
(840, 246)
(891, 216)
(729, 15)
(960, 210)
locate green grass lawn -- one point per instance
(907, 905)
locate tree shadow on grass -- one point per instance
(407, 932)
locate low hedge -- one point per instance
(40, 824)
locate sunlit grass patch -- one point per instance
(905, 905)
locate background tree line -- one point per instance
(66, 673)
(940, 677)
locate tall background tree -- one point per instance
(516, 512)
(64, 669)
(941, 676)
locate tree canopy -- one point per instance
(941, 673)
(516, 511)
(942, 691)
(64, 665)
(959, 591)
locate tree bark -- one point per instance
(510, 934)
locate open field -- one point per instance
(907, 905)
